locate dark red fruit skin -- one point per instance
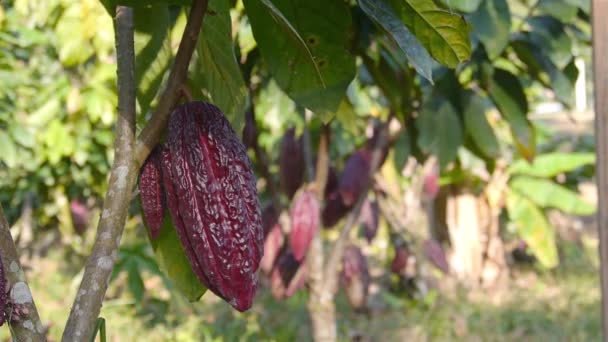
(332, 181)
(334, 210)
(270, 217)
(304, 222)
(250, 133)
(152, 194)
(3, 294)
(354, 176)
(80, 216)
(356, 277)
(369, 218)
(291, 163)
(217, 202)
(434, 252)
(272, 246)
(288, 275)
(399, 263)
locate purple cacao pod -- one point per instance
(153, 201)
(80, 216)
(291, 163)
(332, 181)
(272, 246)
(356, 277)
(370, 215)
(250, 133)
(212, 197)
(288, 275)
(355, 176)
(334, 210)
(434, 252)
(399, 263)
(3, 294)
(270, 217)
(304, 222)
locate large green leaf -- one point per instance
(492, 23)
(216, 73)
(549, 33)
(173, 261)
(384, 16)
(560, 9)
(440, 131)
(548, 194)
(510, 99)
(327, 36)
(152, 51)
(462, 5)
(443, 33)
(477, 126)
(533, 227)
(552, 164)
(402, 149)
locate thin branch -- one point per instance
(90, 295)
(152, 132)
(28, 327)
(331, 268)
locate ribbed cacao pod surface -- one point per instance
(3, 294)
(355, 176)
(356, 277)
(291, 163)
(304, 222)
(152, 194)
(272, 246)
(369, 218)
(288, 275)
(211, 194)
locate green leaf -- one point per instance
(552, 164)
(134, 280)
(492, 23)
(548, 194)
(9, 150)
(440, 131)
(549, 33)
(533, 227)
(216, 71)
(477, 125)
(559, 9)
(173, 261)
(326, 35)
(384, 16)
(402, 150)
(152, 51)
(508, 96)
(444, 34)
(462, 5)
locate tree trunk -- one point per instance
(323, 316)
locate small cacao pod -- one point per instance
(436, 255)
(272, 246)
(152, 194)
(304, 222)
(370, 215)
(288, 275)
(399, 263)
(332, 181)
(80, 216)
(211, 194)
(431, 185)
(291, 163)
(355, 176)
(334, 210)
(250, 133)
(270, 217)
(356, 277)
(3, 294)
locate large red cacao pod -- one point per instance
(272, 246)
(291, 163)
(152, 194)
(356, 277)
(212, 198)
(355, 176)
(288, 275)
(304, 222)
(369, 218)
(3, 294)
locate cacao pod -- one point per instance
(3, 294)
(211, 194)
(334, 210)
(80, 216)
(272, 246)
(355, 176)
(291, 163)
(431, 185)
(332, 181)
(399, 263)
(434, 252)
(288, 275)
(153, 201)
(270, 217)
(356, 277)
(304, 222)
(370, 215)
(250, 133)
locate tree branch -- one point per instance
(87, 305)
(29, 327)
(152, 132)
(331, 268)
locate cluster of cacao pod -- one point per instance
(203, 177)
